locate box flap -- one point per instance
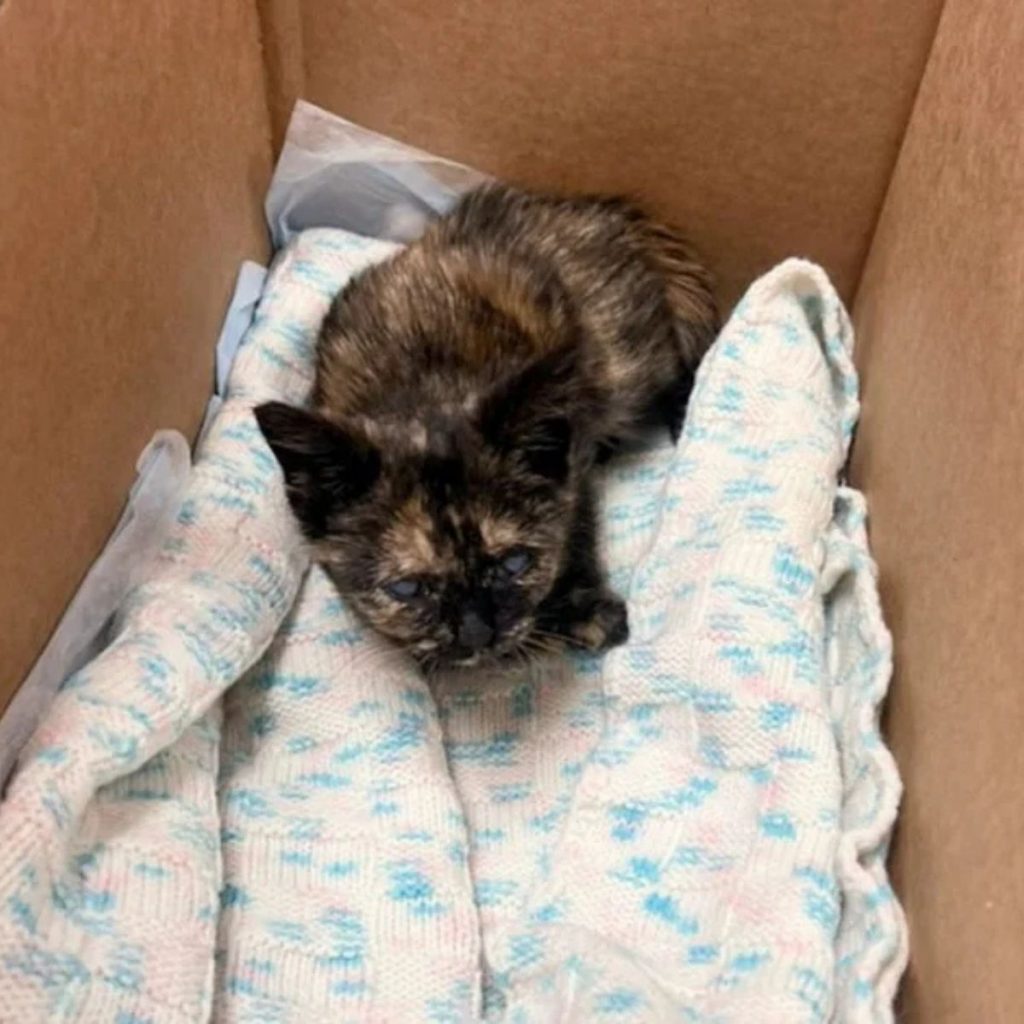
(134, 159)
(939, 316)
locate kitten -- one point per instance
(466, 388)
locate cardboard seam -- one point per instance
(911, 115)
(280, 37)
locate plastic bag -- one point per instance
(334, 174)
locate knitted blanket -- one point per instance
(249, 809)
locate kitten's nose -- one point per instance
(474, 632)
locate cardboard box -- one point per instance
(884, 140)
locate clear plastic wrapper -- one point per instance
(335, 174)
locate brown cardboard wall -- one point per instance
(281, 34)
(133, 158)
(940, 316)
(764, 129)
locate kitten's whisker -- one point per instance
(536, 648)
(556, 640)
(522, 659)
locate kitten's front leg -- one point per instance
(595, 620)
(581, 607)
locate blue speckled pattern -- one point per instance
(690, 829)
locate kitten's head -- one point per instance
(447, 531)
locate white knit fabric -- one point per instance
(692, 828)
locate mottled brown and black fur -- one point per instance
(466, 389)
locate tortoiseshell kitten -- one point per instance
(466, 388)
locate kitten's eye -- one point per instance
(404, 590)
(516, 562)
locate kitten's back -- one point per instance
(505, 278)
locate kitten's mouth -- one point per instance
(512, 649)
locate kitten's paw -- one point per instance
(604, 625)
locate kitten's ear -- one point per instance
(529, 414)
(325, 468)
